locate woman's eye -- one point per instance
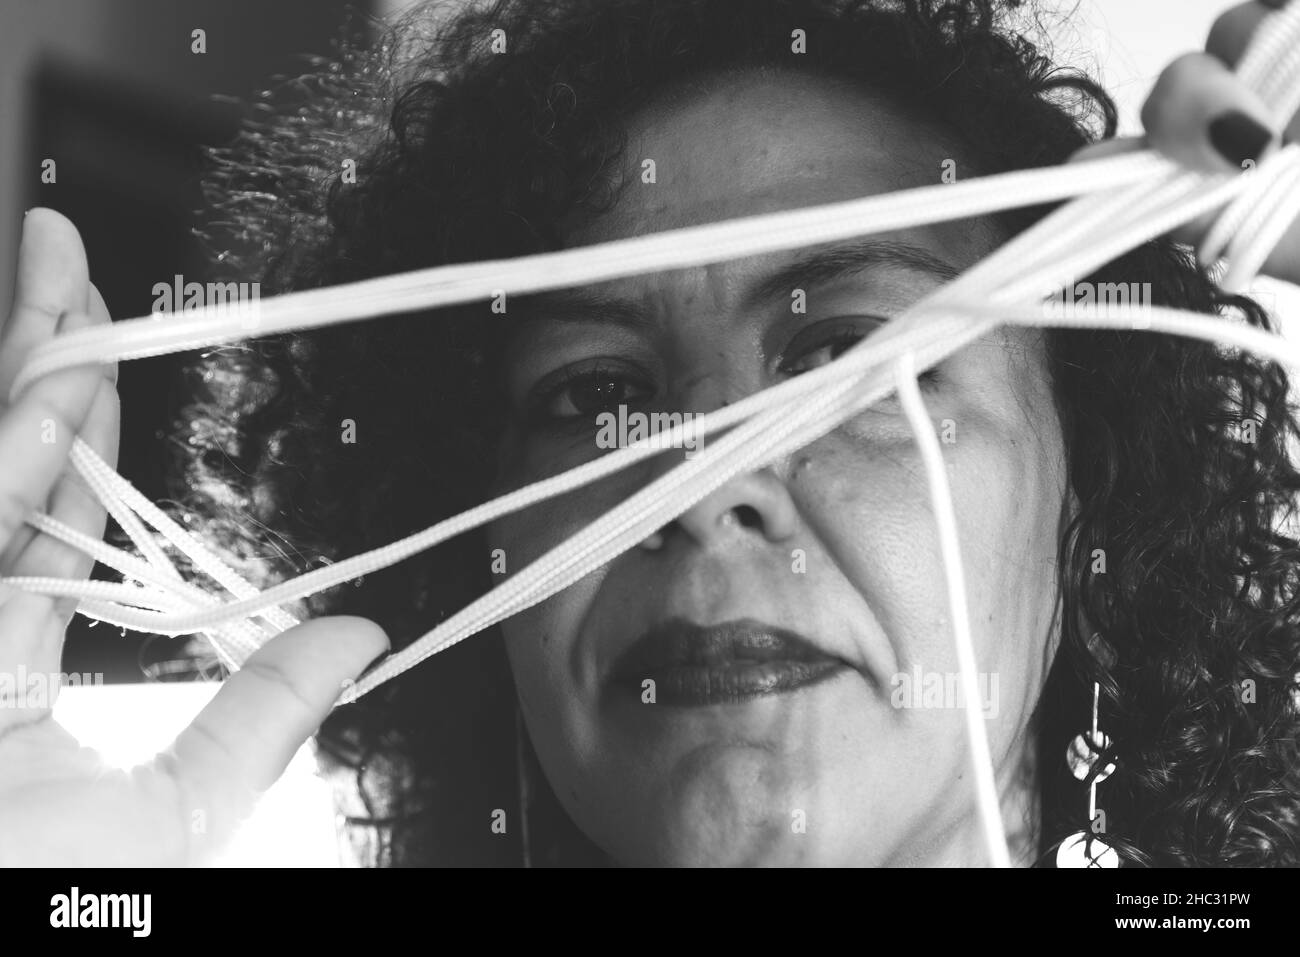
(586, 393)
(826, 341)
(827, 350)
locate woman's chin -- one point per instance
(741, 783)
(736, 803)
(731, 804)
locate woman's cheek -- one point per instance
(560, 715)
(867, 498)
(558, 684)
(1006, 479)
(864, 499)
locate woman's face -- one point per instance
(769, 679)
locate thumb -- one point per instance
(242, 741)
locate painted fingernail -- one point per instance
(1238, 137)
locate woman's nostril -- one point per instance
(747, 516)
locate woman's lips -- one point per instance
(695, 665)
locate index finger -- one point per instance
(53, 278)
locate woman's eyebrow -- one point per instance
(828, 263)
(582, 305)
(824, 264)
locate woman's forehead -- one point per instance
(748, 143)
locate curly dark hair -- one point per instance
(462, 154)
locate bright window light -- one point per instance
(128, 724)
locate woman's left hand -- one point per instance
(1200, 114)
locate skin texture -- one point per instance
(876, 784)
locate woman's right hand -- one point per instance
(59, 804)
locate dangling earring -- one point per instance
(523, 785)
(1082, 848)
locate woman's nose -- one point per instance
(753, 504)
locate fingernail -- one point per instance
(1239, 137)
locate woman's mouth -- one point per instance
(694, 665)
